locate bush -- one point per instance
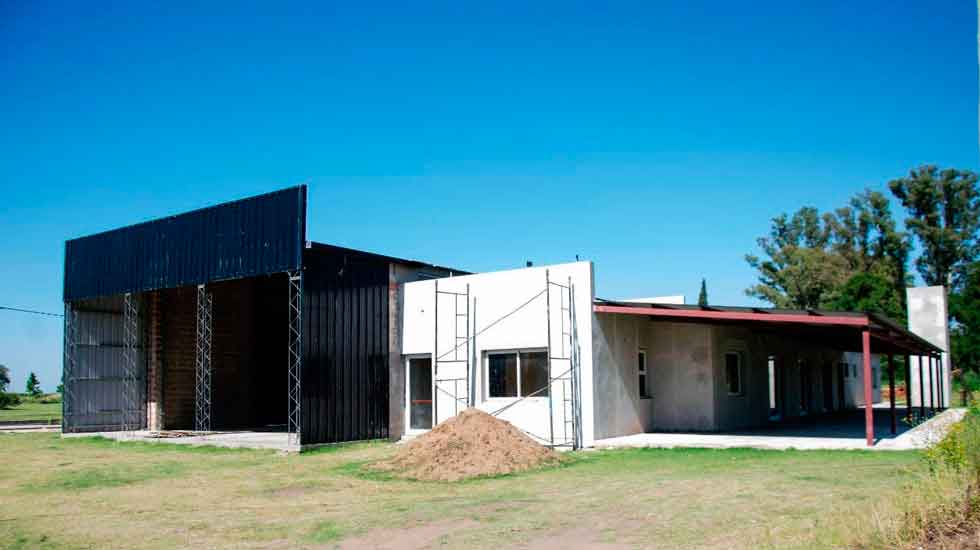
(49, 398)
(8, 400)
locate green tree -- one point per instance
(810, 257)
(33, 386)
(866, 235)
(944, 215)
(869, 292)
(703, 295)
(964, 306)
(4, 378)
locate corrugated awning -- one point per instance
(839, 328)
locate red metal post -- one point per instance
(891, 392)
(908, 388)
(869, 419)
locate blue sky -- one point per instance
(656, 139)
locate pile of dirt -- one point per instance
(471, 444)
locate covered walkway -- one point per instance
(838, 431)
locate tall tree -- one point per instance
(703, 295)
(965, 308)
(33, 386)
(944, 215)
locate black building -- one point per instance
(226, 318)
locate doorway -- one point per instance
(419, 393)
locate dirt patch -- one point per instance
(471, 444)
(408, 538)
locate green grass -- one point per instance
(33, 411)
(87, 492)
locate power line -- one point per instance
(31, 311)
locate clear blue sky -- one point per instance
(655, 139)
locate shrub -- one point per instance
(8, 400)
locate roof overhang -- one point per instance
(837, 327)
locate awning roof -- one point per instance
(839, 328)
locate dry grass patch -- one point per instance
(166, 496)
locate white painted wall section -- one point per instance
(508, 311)
(929, 318)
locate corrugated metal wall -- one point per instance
(345, 346)
(253, 236)
(96, 379)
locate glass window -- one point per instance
(517, 374)
(641, 369)
(733, 372)
(534, 373)
(503, 375)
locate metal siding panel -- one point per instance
(253, 236)
(344, 390)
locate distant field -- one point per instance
(32, 411)
(93, 493)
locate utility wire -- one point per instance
(31, 311)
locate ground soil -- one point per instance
(471, 444)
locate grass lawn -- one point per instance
(33, 411)
(93, 493)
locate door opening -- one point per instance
(420, 393)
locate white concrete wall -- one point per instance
(854, 386)
(496, 299)
(929, 318)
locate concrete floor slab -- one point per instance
(277, 441)
(843, 431)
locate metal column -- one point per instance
(68, 370)
(869, 426)
(130, 378)
(891, 392)
(922, 391)
(295, 358)
(202, 366)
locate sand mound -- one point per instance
(471, 444)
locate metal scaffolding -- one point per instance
(202, 370)
(566, 382)
(295, 351)
(457, 357)
(130, 377)
(68, 372)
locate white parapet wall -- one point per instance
(929, 318)
(508, 312)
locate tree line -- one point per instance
(857, 257)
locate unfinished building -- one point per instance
(227, 319)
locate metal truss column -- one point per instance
(130, 379)
(295, 366)
(202, 370)
(68, 369)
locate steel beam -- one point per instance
(869, 426)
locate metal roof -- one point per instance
(837, 327)
(248, 237)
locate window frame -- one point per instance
(643, 375)
(520, 390)
(740, 369)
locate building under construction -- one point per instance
(227, 318)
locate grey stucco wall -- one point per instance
(682, 376)
(751, 407)
(618, 407)
(929, 318)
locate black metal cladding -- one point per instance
(345, 346)
(253, 236)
